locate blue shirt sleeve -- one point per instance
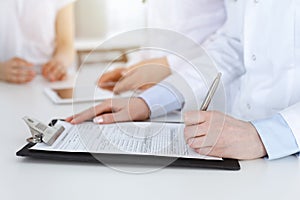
(274, 132)
(162, 99)
(277, 137)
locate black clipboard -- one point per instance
(142, 160)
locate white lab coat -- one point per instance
(195, 19)
(27, 29)
(258, 52)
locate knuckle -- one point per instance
(202, 151)
(198, 151)
(14, 62)
(96, 108)
(193, 144)
(209, 114)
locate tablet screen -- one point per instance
(66, 93)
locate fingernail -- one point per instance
(73, 121)
(98, 120)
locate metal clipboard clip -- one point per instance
(41, 132)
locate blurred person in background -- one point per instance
(36, 37)
(195, 19)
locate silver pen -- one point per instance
(212, 90)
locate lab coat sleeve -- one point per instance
(276, 136)
(184, 90)
(225, 55)
(292, 117)
(172, 93)
(162, 99)
(222, 53)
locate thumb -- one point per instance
(111, 76)
(125, 84)
(108, 80)
(128, 71)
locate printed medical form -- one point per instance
(139, 138)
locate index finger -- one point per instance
(47, 68)
(91, 113)
(127, 83)
(195, 117)
(112, 76)
(58, 72)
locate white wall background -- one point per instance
(103, 18)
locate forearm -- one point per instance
(65, 53)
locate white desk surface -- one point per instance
(103, 43)
(36, 179)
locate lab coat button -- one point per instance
(254, 57)
(256, 1)
(248, 106)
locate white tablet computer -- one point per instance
(68, 95)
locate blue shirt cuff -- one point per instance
(277, 137)
(162, 99)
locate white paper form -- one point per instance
(142, 138)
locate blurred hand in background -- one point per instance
(17, 70)
(140, 76)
